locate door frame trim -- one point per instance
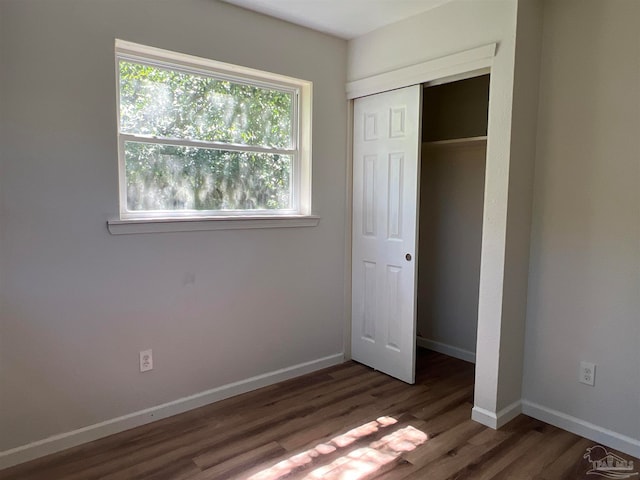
(465, 62)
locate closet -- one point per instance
(452, 174)
(417, 222)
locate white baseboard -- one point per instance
(583, 428)
(496, 420)
(455, 352)
(90, 433)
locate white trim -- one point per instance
(137, 51)
(90, 433)
(304, 122)
(205, 144)
(455, 78)
(496, 420)
(161, 225)
(485, 417)
(348, 233)
(466, 355)
(480, 58)
(598, 434)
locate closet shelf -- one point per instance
(467, 141)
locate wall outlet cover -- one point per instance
(146, 360)
(587, 373)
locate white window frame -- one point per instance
(301, 91)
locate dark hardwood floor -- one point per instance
(345, 422)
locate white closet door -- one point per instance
(386, 149)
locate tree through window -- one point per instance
(201, 138)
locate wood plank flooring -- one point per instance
(345, 422)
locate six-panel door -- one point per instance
(386, 149)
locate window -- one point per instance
(203, 139)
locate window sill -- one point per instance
(161, 225)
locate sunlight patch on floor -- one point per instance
(355, 464)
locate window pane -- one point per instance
(167, 177)
(173, 104)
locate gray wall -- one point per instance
(451, 200)
(78, 303)
(584, 283)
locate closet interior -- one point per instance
(452, 176)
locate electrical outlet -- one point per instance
(587, 373)
(146, 360)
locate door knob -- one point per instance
(408, 257)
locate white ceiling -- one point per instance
(342, 18)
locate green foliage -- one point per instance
(156, 102)
(167, 177)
